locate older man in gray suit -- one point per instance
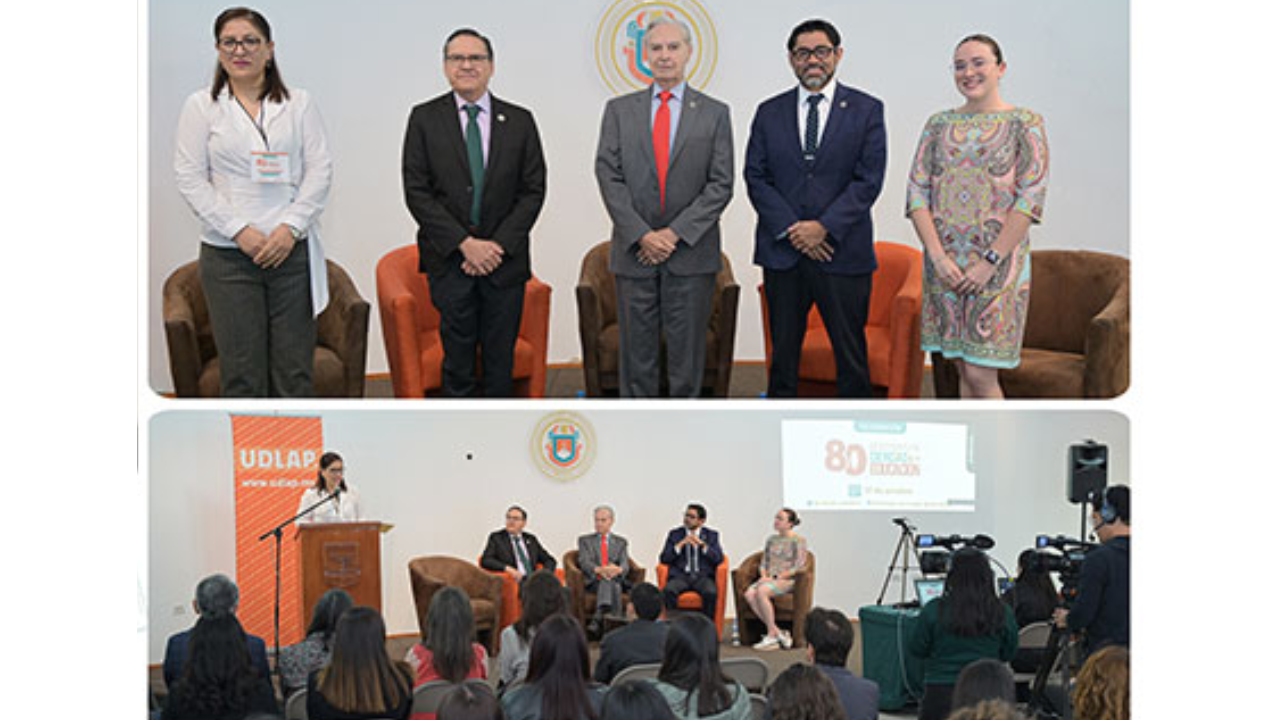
(665, 170)
(602, 557)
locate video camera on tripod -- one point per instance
(935, 550)
(1063, 555)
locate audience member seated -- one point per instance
(830, 637)
(639, 642)
(514, 551)
(448, 651)
(1033, 599)
(784, 555)
(541, 596)
(635, 700)
(988, 710)
(692, 553)
(218, 679)
(468, 703)
(558, 686)
(298, 661)
(691, 678)
(803, 692)
(1102, 687)
(967, 623)
(216, 595)
(984, 679)
(361, 681)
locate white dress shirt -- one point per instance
(344, 508)
(828, 94)
(212, 162)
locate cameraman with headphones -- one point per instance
(1101, 610)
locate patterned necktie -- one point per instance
(475, 158)
(521, 556)
(662, 144)
(811, 128)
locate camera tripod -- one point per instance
(1040, 705)
(906, 549)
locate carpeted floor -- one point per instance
(748, 380)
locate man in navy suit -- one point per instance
(216, 595)
(692, 553)
(815, 166)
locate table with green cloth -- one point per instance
(886, 634)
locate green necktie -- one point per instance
(521, 556)
(475, 157)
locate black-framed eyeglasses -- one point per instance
(460, 59)
(822, 52)
(250, 44)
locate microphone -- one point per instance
(982, 542)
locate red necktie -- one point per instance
(662, 144)
(604, 549)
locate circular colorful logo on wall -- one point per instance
(620, 56)
(563, 446)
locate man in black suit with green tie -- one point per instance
(474, 180)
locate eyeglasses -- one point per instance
(977, 64)
(460, 59)
(822, 52)
(250, 44)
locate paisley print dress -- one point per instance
(971, 171)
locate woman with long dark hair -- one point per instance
(803, 692)
(298, 661)
(691, 678)
(218, 679)
(448, 650)
(541, 596)
(331, 485)
(968, 622)
(635, 700)
(361, 681)
(252, 162)
(558, 686)
(1033, 598)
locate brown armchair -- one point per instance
(583, 603)
(1076, 343)
(411, 330)
(429, 574)
(790, 609)
(598, 328)
(341, 337)
(895, 361)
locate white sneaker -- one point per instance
(768, 643)
(786, 640)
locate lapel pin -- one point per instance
(502, 118)
(692, 104)
(844, 103)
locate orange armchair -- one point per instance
(693, 601)
(894, 358)
(411, 330)
(511, 608)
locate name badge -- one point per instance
(270, 167)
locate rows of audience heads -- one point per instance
(360, 677)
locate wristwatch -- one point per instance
(297, 234)
(991, 256)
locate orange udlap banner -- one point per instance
(275, 462)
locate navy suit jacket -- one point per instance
(175, 656)
(709, 558)
(837, 188)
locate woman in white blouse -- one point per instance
(253, 163)
(344, 503)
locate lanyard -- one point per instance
(259, 125)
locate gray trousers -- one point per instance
(262, 321)
(674, 308)
(608, 594)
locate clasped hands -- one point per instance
(608, 572)
(691, 540)
(969, 281)
(267, 251)
(480, 257)
(656, 246)
(810, 238)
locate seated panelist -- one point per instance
(514, 551)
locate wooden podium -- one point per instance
(340, 555)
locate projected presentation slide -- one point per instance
(860, 465)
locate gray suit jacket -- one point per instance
(699, 181)
(589, 555)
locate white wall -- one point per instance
(412, 470)
(368, 64)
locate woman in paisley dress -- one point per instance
(977, 184)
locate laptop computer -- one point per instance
(929, 588)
